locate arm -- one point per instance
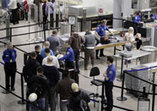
(3, 56)
(65, 56)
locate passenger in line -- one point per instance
(75, 41)
(64, 90)
(54, 42)
(52, 74)
(54, 59)
(39, 57)
(47, 45)
(90, 40)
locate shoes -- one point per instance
(13, 89)
(5, 92)
(97, 58)
(102, 55)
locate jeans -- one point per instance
(39, 104)
(77, 57)
(53, 99)
(64, 105)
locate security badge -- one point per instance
(68, 53)
(110, 72)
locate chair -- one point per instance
(95, 72)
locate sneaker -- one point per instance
(5, 92)
(13, 89)
(97, 58)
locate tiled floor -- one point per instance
(9, 102)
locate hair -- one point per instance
(65, 73)
(104, 21)
(87, 32)
(47, 50)
(54, 32)
(49, 59)
(74, 87)
(33, 54)
(47, 43)
(40, 70)
(131, 29)
(37, 47)
(110, 59)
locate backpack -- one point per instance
(84, 105)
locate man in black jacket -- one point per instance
(39, 84)
(39, 58)
(30, 68)
(52, 74)
(79, 99)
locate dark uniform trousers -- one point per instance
(10, 72)
(77, 57)
(109, 95)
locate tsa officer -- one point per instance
(109, 75)
(101, 32)
(138, 18)
(9, 57)
(68, 57)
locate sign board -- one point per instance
(143, 104)
(72, 20)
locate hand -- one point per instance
(105, 75)
(106, 78)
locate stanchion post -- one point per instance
(44, 31)
(122, 98)
(114, 50)
(10, 34)
(153, 97)
(121, 72)
(22, 92)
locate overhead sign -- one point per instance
(72, 20)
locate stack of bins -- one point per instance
(136, 84)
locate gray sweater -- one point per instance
(90, 41)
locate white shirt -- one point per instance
(54, 61)
(129, 38)
(12, 4)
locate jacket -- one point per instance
(69, 56)
(6, 56)
(30, 69)
(75, 98)
(64, 88)
(90, 41)
(38, 84)
(12, 4)
(75, 41)
(52, 74)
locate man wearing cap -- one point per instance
(101, 32)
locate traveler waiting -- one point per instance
(47, 45)
(39, 84)
(75, 41)
(9, 57)
(90, 40)
(54, 42)
(109, 75)
(54, 59)
(63, 88)
(79, 99)
(39, 57)
(13, 7)
(30, 68)
(52, 74)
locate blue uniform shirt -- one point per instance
(101, 30)
(43, 52)
(6, 56)
(111, 72)
(137, 19)
(69, 56)
(154, 17)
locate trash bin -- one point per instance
(152, 56)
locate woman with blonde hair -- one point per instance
(129, 38)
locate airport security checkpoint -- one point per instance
(78, 55)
